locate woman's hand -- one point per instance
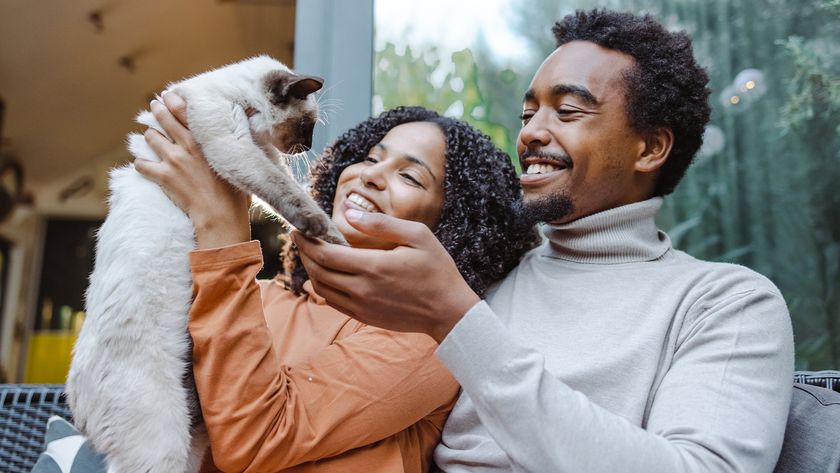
(218, 211)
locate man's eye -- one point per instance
(568, 111)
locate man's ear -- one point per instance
(658, 146)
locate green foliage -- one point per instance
(814, 86)
(410, 79)
(769, 200)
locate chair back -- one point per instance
(24, 410)
(815, 412)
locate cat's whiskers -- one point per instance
(323, 93)
(326, 105)
(299, 162)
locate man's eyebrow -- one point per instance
(567, 89)
(411, 159)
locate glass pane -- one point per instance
(763, 190)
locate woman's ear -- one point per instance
(658, 146)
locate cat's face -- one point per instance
(291, 110)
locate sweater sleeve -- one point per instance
(264, 416)
(721, 407)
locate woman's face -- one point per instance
(402, 176)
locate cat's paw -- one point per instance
(334, 236)
(313, 225)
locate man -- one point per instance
(606, 349)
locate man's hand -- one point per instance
(415, 287)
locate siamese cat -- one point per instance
(130, 385)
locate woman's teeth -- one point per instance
(541, 168)
(362, 202)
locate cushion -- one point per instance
(812, 437)
(68, 451)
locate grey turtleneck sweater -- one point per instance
(606, 350)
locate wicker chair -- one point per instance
(24, 410)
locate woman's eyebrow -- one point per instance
(420, 162)
(411, 159)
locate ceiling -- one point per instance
(72, 89)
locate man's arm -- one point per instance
(721, 408)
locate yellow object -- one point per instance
(48, 357)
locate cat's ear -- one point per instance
(301, 86)
(283, 86)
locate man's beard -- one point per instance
(547, 208)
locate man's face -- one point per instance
(576, 146)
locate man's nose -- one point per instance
(535, 133)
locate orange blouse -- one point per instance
(287, 383)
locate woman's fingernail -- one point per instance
(164, 92)
(353, 214)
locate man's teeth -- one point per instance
(362, 202)
(541, 168)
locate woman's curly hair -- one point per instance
(665, 89)
(477, 225)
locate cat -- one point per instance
(130, 386)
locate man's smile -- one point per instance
(540, 167)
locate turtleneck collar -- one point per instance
(625, 234)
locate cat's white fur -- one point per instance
(130, 385)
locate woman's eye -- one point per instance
(371, 159)
(526, 116)
(411, 179)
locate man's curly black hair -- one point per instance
(476, 226)
(665, 89)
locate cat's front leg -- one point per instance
(238, 159)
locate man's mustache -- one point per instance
(562, 158)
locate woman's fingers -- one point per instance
(162, 147)
(174, 128)
(149, 169)
(176, 105)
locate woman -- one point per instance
(287, 383)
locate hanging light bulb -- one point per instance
(734, 101)
(750, 82)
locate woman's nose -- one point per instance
(372, 176)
